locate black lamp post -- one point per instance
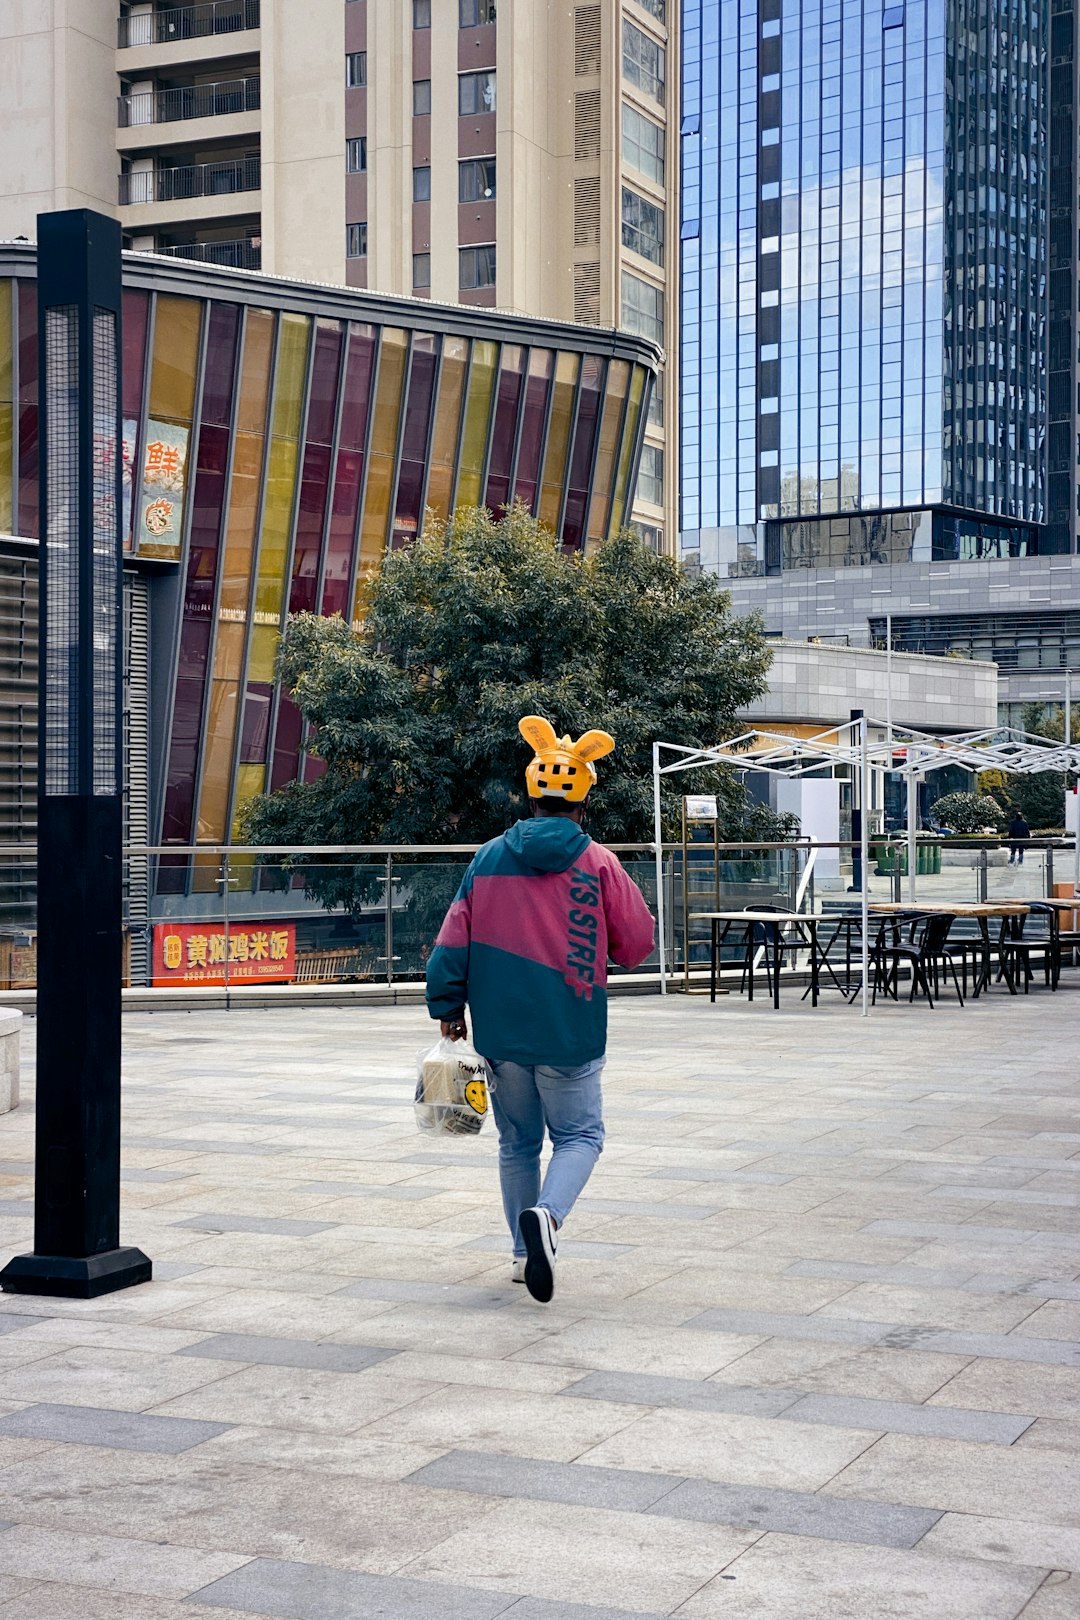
(77, 1249)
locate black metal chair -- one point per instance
(768, 937)
(923, 951)
(1037, 934)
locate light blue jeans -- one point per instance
(565, 1102)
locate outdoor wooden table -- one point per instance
(805, 922)
(979, 911)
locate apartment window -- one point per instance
(421, 184)
(642, 307)
(356, 241)
(656, 402)
(356, 69)
(476, 93)
(476, 180)
(642, 226)
(421, 98)
(356, 154)
(644, 62)
(655, 8)
(475, 13)
(643, 144)
(476, 267)
(421, 13)
(421, 269)
(650, 484)
(651, 535)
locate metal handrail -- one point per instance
(191, 180)
(214, 100)
(188, 22)
(237, 255)
(204, 850)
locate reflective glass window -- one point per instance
(476, 179)
(421, 183)
(644, 61)
(356, 154)
(421, 13)
(537, 384)
(421, 98)
(356, 240)
(356, 69)
(504, 427)
(643, 144)
(26, 500)
(626, 451)
(476, 267)
(642, 307)
(642, 226)
(581, 455)
(414, 439)
(558, 442)
(475, 13)
(618, 378)
(386, 418)
(421, 270)
(476, 93)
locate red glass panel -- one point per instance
(136, 316)
(219, 375)
(354, 410)
(592, 372)
(314, 486)
(504, 428)
(255, 730)
(290, 729)
(343, 514)
(414, 442)
(195, 629)
(27, 522)
(526, 482)
(322, 400)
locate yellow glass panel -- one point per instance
(562, 408)
(6, 456)
(5, 343)
(177, 324)
(477, 416)
(290, 375)
(444, 438)
(238, 558)
(250, 782)
(626, 452)
(614, 395)
(384, 437)
(255, 372)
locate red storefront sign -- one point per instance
(198, 953)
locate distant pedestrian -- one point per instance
(525, 946)
(1019, 833)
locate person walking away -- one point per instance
(1019, 833)
(525, 947)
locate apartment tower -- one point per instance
(470, 151)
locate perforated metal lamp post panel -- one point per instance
(77, 1251)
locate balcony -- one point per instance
(190, 101)
(241, 255)
(191, 180)
(188, 22)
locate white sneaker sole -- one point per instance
(535, 1229)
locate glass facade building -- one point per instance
(864, 282)
(278, 438)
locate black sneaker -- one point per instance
(537, 1231)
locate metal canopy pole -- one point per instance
(658, 853)
(912, 821)
(864, 840)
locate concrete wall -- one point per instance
(58, 93)
(824, 683)
(841, 602)
(303, 139)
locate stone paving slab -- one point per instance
(814, 1348)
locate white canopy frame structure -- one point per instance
(897, 749)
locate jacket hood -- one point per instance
(548, 843)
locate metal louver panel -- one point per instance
(587, 41)
(18, 731)
(586, 211)
(137, 769)
(586, 125)
(587, 293)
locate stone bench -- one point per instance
(10, 1027)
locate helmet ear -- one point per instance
(538, 731)
(593, 745)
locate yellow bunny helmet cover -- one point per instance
(560, 768)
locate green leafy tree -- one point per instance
(478, 623)
(970, 813)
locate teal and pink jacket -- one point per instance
(527, 940)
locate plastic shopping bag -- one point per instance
(451, 1089)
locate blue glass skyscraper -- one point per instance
(864, 282)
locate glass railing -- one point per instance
(187, 22)
(368, 915)
(191, 180)
(189, 101)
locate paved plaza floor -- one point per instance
(814, 1352)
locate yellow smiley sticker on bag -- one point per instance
(476, 1096)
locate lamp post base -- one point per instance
(68, 1277)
